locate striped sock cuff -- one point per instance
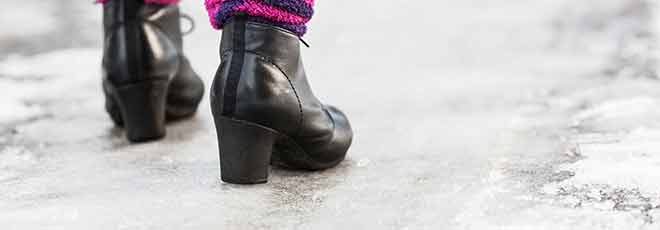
(288, 14)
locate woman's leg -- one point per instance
(288, 14)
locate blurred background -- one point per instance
(473, 114)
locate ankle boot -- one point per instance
(147, 79)
(264, 109)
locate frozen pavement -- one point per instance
(539, 114)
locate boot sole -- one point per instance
(248, 149)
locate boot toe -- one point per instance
(343, 132)
(342, 136)
(185, 93)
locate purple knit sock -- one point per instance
(148, 1)
(288, 14)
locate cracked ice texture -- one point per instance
(620, 147)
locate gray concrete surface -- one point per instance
(537, 114)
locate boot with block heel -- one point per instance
(264, 110)
(147, 79)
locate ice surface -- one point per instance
(618, 160)
(537, 114)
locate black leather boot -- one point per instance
(147, 79)
(264, 109)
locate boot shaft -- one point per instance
(165, 16)
(262, 79)
(250, 81)
(141, 41)
(266, 40)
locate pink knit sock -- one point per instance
(288, 14)
(148, 1)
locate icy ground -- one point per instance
(510, 114)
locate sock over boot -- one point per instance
(291, 15)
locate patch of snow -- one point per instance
(616, 159)
(59, 63)
(627, 162)
(13, 103)
(620, 114)
(24, 15)
(26, 80)
(14, 159)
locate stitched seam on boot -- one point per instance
(295, 92)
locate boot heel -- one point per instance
(245, 151)
(142, 107)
